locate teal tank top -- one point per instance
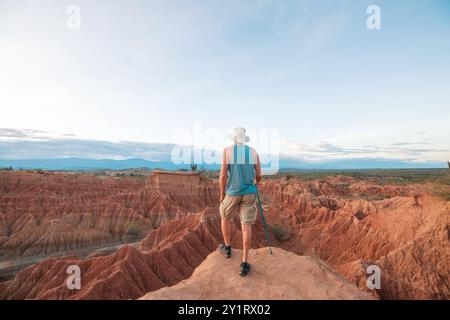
(241, 171)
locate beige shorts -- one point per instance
(246, 205)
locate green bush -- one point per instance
(134, 230)
(280, 232)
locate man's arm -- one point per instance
(258, 170)
(223, 176)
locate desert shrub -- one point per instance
(134, 230)
(444, 194)
(417, 198)
(280, 232)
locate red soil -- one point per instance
(347, 223)
(351, 224)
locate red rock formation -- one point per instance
(282, 275)
(47, 213)
(167, 256)
(188, 190)
(346, 222)
(351, 224)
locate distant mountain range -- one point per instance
(40, 150)
(88, 164)
(285, 164)
(363, 163)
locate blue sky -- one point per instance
(141, 70)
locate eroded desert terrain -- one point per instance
(134, 235)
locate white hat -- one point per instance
(238, 135)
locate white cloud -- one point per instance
(417, 151)
(36, 144)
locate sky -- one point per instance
(146, 71)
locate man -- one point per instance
(240, 172)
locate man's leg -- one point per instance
(225, 224)
(248, 217)
(246, 240)
(226, 208)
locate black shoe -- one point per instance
(226, 250)
(245, 269)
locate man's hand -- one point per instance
(258, 172)
(258, 179)
(223, 176)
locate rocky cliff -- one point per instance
(282, 275)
